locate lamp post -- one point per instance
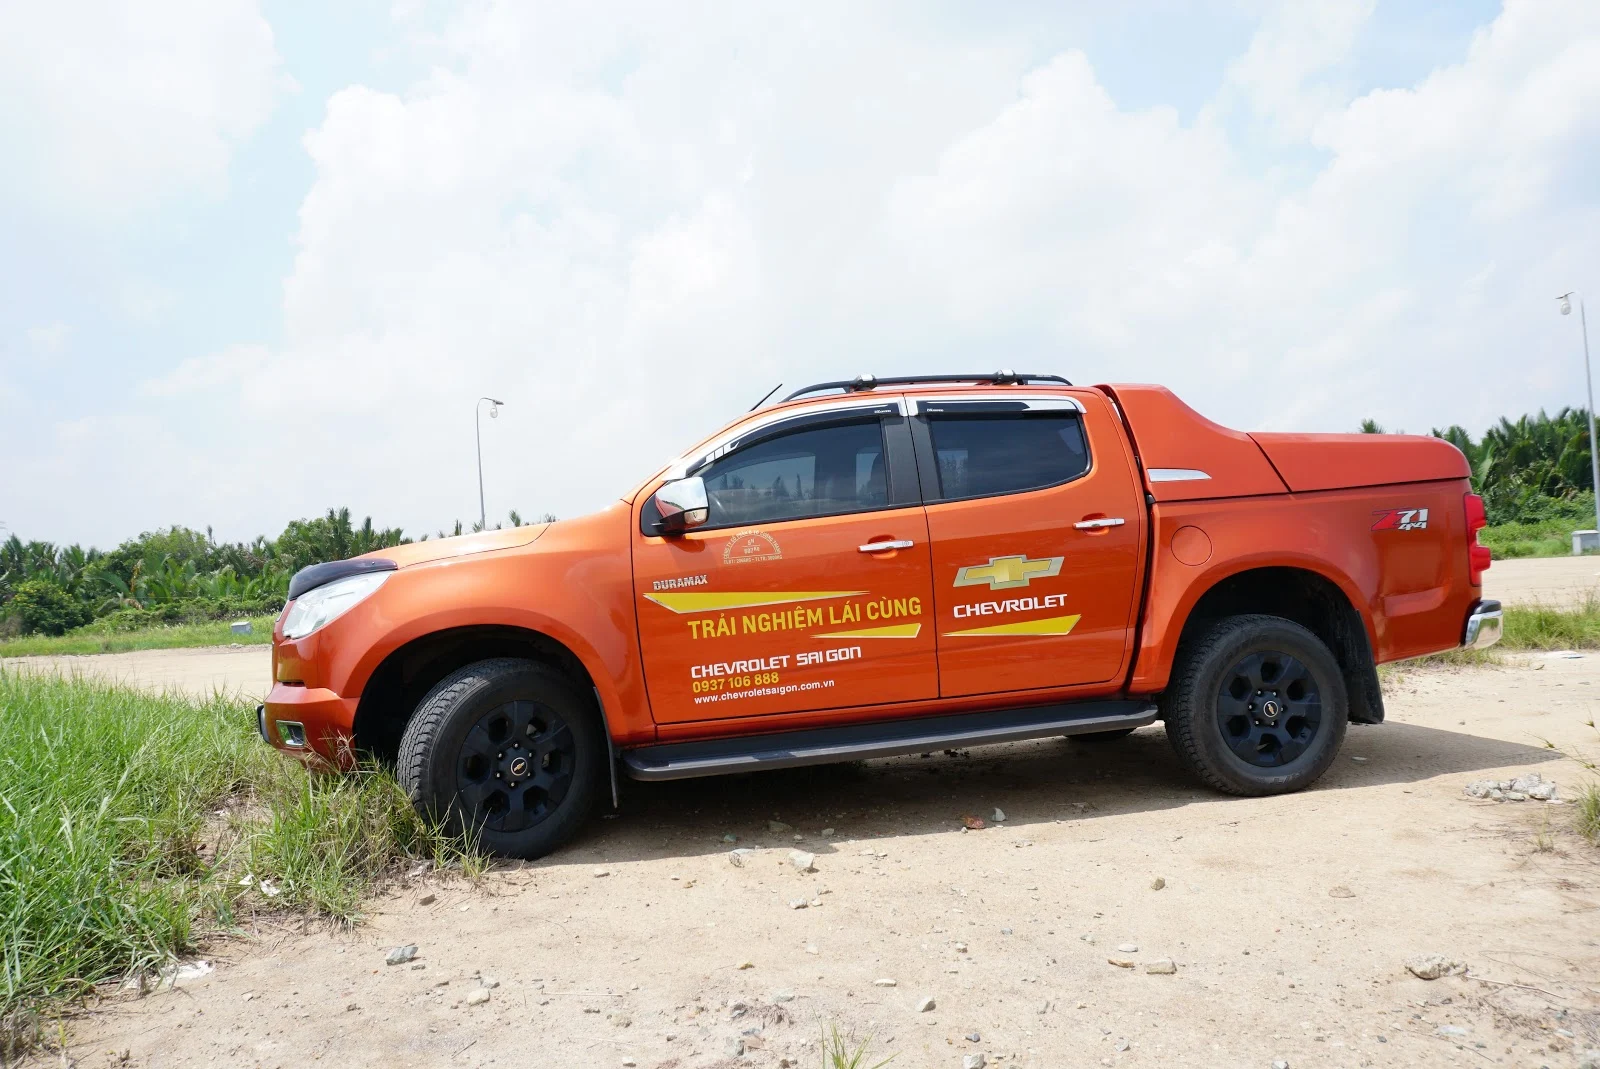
(477, 426)
(1588, 382)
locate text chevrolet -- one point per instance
(894, 566)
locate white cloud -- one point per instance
(120, 102)
(50, 338)
(630, 225)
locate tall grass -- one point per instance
(127, 822)
(181, 636)
(1534, 627)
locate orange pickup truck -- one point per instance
(894, 566)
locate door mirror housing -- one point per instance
(682, 504)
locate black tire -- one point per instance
(1257, 705)
(488, 723)
(1102, 736)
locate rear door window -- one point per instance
(986, 453)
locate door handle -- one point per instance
(884, 547)
(1093, 525)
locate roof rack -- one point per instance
(862, 383)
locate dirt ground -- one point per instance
(1289, 920)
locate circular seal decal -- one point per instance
(748, 546)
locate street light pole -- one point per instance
(477, 426)
(1588, 382)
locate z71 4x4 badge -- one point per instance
(1400, 520)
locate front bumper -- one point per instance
(1484, 626)
(308, 720)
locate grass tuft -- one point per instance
(180, 636)
(1535, 627)
(1588, 805)
(838, 1054)
(113, 856)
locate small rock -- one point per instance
(778, 827)
(1127, 948)
(419, 966)
(1122, 1044)
(351, 1007)
(1089, 938)
(1544, 792)
(1280, 1063)
(737, 855)
(972, 823)
(1359, 760)
(1589, 1059)
(1496, 795)
(601, 872)
(973, 1061)
(478, 996)
(1433, 966)
(802, 861)
(1525, 782)
(783, 996)
(735, 1047)
(1121, 963)
(730, 838)
(926, 1004)
(1161, 967)
(1516, 796)
(628, 1063)
(1479, 788)
(1005, 931)
(1340, 891)
(973, 1037)
(1158, 883)
(797, 903)
(427, 900)
(620, 1020)
(999, 815)
(827, 833)
(484, 981)
(1450, 1031)
(401, 955)
(883, 983)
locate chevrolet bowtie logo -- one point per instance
(1007, 573)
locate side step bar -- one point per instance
(855, 742)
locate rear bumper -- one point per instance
(1484, 626)
(308, 721)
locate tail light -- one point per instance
(1478, 557)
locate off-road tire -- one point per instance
(1197, 713)
(1102, 736)
(448, 724)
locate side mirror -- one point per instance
(682, 505)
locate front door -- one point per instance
(808, 588)
(1035, 518)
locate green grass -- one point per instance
(1588, 803)
(113, 857)
(1548, 538)
(180, 636)
(1529, 627)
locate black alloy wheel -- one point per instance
(508, 751)
(1256, 705)
(1269, 708)
(516, 767)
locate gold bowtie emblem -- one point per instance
(1008, 573)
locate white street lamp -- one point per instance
(1588, 381)
(477, 426)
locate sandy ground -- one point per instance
(1289, 919)
(246, 670)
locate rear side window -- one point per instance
(822, 471)
(981, 455)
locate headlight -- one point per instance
(316, 608)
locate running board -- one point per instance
(890, 738)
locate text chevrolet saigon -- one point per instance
(894, 566)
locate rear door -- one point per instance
(1035, 520)
(808, 588)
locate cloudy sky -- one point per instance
(259, 258)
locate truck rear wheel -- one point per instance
(1257, 705)
(508, 750)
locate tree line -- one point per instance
(175, 574)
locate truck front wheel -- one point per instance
(1257, 705)
(508, 751)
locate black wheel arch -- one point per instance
(406, 675)
(1314, 602)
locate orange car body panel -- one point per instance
(874, 636)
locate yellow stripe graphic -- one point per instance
(1050, 625)
(886, 631)
(745, 599)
